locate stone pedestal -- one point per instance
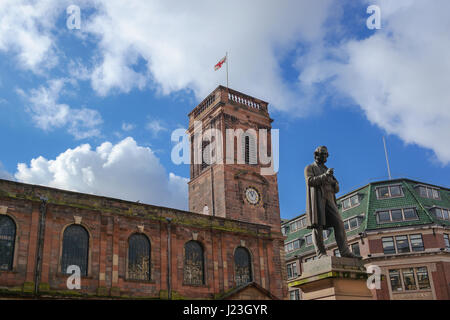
(333, 278)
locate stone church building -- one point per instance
(228, 245)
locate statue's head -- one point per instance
(321, 154)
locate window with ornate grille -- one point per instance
(139, 257)
(193, 264)
(75, 248)
(7, 242)
(242, 266)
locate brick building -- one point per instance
(228, 245)
(402, 226)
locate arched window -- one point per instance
(7, 241)
(139, 257)
(75, 248)
(193, 263)
(242, 266)
(249, 147)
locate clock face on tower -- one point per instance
(252, 195)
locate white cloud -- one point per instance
(180, 42)
(127, 126)
(155, 127)
(177, 43)
(399, 76)
(48, 114)
(124, 170)
(26, 30)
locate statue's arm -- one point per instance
(312, 180)
(336, 186)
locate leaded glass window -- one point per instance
(139, 257)
(193, 264)
(242, 266)
(7, 241)
(75, 248)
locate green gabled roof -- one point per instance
(408, 200)
(369, 205)
(427, 204)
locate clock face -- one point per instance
(252, 195)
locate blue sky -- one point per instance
(92, 110)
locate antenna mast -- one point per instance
(387, 159)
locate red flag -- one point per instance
(220, 63)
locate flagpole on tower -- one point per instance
(226, 60)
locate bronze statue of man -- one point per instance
(321, 208)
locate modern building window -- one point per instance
(410, 214)
(428, 192)
(75, 248)
(441, 213)
(403, 244)
(396, 191)
(396, 281)
(383, 216)
(395, 215)
(311, 258)
(352, 223)
(308, 239)
(388, 245)
(7, 242)
(422, 278)
(336, 253)
(409, 279)
(292, 270)
(193, 264)
(350, 202)
(298, 224)
(355, 249)
(386, 192)
(242, 266)
(416, 242)
(447, 241)
(293, 245)
(294, 294)
(139, 253)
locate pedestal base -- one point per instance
(333, 278)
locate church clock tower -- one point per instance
(234, 181)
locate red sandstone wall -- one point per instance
(109, 233)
